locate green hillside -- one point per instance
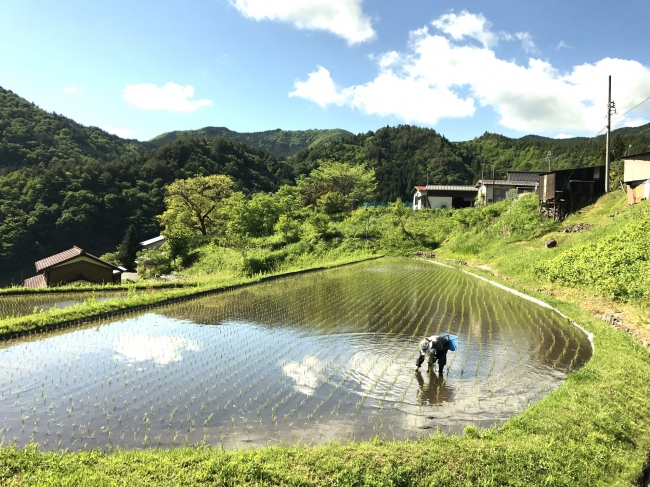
(280, 143)
(30, 136)
(401, 156)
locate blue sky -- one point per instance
(139, 69)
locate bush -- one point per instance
(617, 265)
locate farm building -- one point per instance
(443, 196)
(516, 183)
(153, 243)
(73, 265)
(637, 177)
(560, 192)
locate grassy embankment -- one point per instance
(591, 431)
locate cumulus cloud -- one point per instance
(70, 89)
(564, 136)
(124, 133)
(439, 76)
(171, 97)
(344, 18)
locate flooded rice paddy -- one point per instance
(310, 358)
(25, 304)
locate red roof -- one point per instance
(36, 281)
(65, 256)
(420, 188)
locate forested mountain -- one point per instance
(46, 208)
(30, 136)
(62, 183)
(529, 153)
(402, 157)
(280, 143)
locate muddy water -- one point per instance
(312, 358)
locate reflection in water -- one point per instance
(313, 358)
(136, 347)
(433, 390)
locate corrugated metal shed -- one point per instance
(503, 182)
(439, 187)
(522, 176)
(154, 240)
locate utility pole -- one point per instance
(549, 158)
(611, 109)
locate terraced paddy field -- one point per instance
(311, 358)
(25, 304)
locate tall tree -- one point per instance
(195, 202)
(127, 250)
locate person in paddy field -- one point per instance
(436, 347)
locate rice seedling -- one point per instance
(309, 358)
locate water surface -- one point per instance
(311, 358)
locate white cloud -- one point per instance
(564, 136)
(171, 97)
(637, 122)
(438, 77)
(319, 88)
(124, 133)
(526, 42)
(467, 25)
(70, 89)
(560, 45)
(344, 18)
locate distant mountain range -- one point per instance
(280, 143)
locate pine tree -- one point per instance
(128, 249)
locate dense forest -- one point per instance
(280, 143)
(30, 136)
(62, 183)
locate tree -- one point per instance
(194, 202)
(128, 249)
(356, 183)
(401, 213)
(178, 241)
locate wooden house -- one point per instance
(637, 177)
(516, 183)
(561, 192)
(443, 196)
(73, 265)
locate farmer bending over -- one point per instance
(436, 347)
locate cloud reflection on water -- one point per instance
(161, 350)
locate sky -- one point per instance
(142, 68)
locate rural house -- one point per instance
(560, 192)
(73, 265)
(443, 196)
(516, 183)
(637, 177)
(153, 243)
